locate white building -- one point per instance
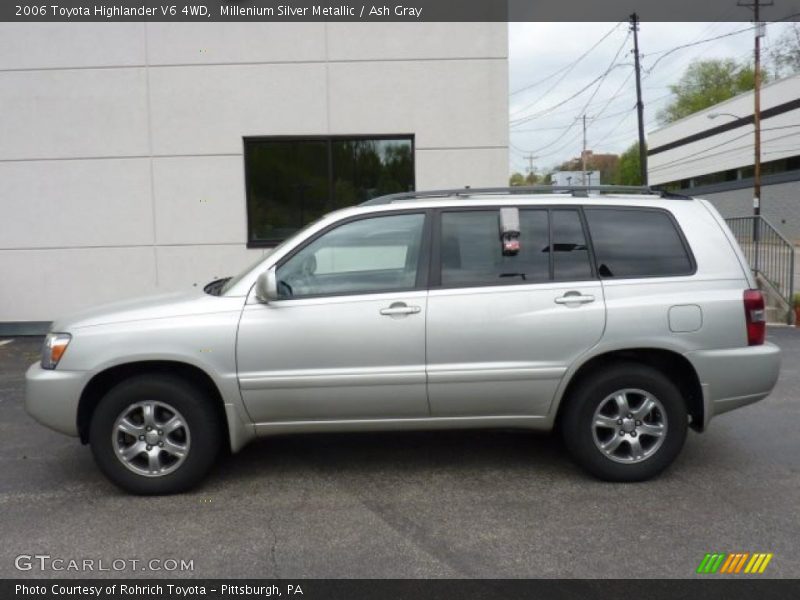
(146, 157)
(711, 154)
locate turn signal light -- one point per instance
(55, 344)
(755, 317)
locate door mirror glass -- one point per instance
(266, 286)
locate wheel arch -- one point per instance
(103, 381)
(672, 364)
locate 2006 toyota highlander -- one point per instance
(618, 316)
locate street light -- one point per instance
(757, 160)
(714, 115)
(756, 175)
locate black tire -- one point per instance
(578, 429)
(193, 405)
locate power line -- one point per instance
(667, 51)
(570, 66)
(685, 158)
(597, 79)
(616, 95)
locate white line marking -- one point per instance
(4, 342)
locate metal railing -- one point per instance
(769, 254)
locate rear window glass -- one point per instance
(637, 243)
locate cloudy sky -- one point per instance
(547, 123)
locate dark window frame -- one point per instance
(435, 275)
(329, 140)
(423, 268)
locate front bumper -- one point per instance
(52, 397)
(735, 377)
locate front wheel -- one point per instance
(155, 434)
(625, 423)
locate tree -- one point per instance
(706, 83)
(629, 172)
(518, 179)
(785, 53)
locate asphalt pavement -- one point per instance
(435, 504)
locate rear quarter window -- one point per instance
(631, 243)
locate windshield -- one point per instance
(232, 281)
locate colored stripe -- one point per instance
(741, 561)
(765, 563)
(728, 563)
(718, 563)
(758, 562)
(702, 567)
(710, 564)
(753, 560)
(734, 562)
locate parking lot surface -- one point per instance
(434, 504)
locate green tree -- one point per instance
(629, 172)
(518, 179)
(784, 56)
(706, 83)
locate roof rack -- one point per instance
(576, 191)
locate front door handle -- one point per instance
(574, 298)
(399, 309)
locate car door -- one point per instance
(502, 330)
(346, 340)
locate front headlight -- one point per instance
(55, 344)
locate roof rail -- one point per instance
(577, 191)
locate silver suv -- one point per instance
(618, 316)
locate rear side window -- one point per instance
(471, 252)
(637, 243)
(570, 252)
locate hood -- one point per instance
(138, 309)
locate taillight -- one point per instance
(755, 317)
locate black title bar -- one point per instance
(387, 11)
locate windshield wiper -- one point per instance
(215, 287)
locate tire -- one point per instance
(184, 438)
(593, 419)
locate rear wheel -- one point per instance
(625, 423)
(155, 434)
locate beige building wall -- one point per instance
(121, 154)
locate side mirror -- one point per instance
(267, 286)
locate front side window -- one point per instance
(378, 254)
(631, 243)
(291, 182)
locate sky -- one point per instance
(539, 51)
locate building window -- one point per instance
(293, 181)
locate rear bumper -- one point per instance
(735, 377)
(52, 397)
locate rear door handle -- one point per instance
(400, 308)
(574, 298)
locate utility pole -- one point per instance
(583, 153)
(759, 32)
(530, 158)
(634, 19)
